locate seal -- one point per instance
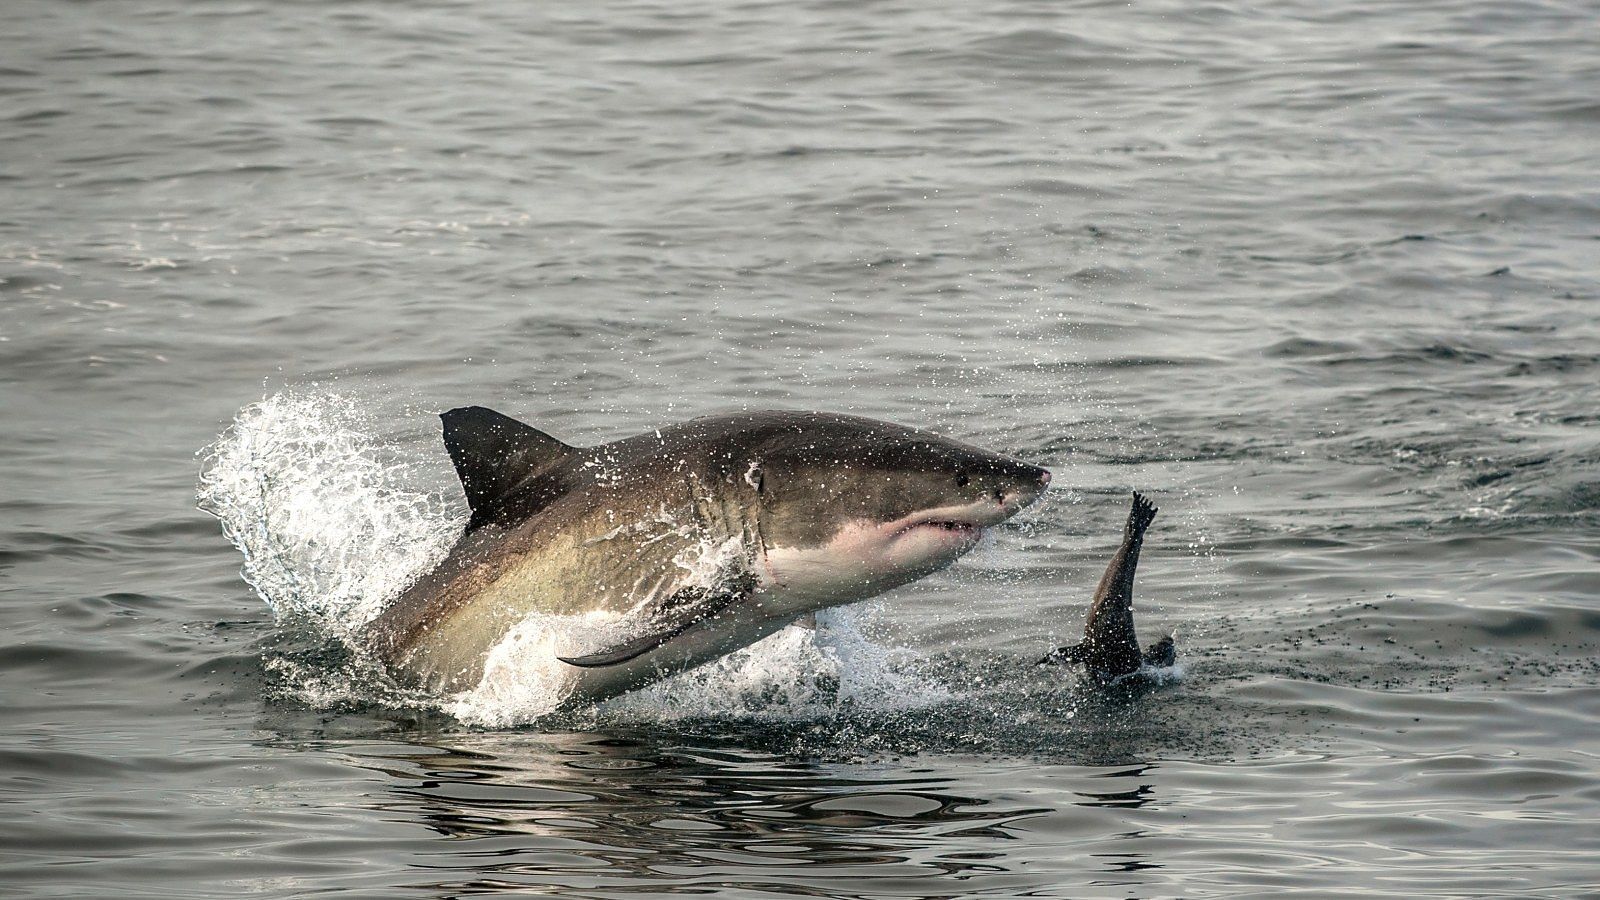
(1110, 647)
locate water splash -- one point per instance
(799, 673)
(328, 523)
(1154, 676)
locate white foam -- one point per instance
(798, 673)
(1157, 675)
(522, 678)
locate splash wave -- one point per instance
(329, 527)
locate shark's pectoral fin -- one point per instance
(676, 614)
(621, 653)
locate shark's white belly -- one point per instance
(791, 584)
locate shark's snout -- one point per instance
(963, 523)
(1024, 490)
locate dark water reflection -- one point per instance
(635, 814)
(730, 808)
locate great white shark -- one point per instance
(696, 539)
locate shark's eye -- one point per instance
(962, 480)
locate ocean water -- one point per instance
(1321, 279)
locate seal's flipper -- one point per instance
(1110, 645)
(1062, 656)
(676, 614)
(1140, 516)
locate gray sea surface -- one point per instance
(1320, 278)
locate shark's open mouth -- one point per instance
(949, 525)
(956, 521)
(962, 532)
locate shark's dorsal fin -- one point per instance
(495, 455)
